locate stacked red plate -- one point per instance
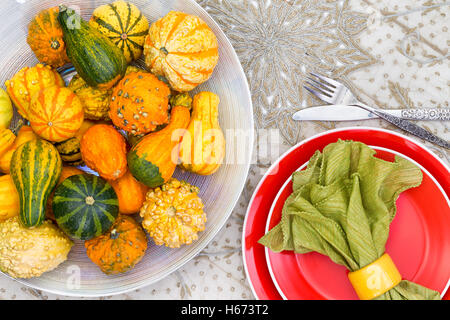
(419, 238)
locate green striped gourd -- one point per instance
(85, 206)
(124, 24)
(97, 60)
(35, 169)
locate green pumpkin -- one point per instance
(97, 60)
(85, 206)
(35, 170)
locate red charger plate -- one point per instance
(258, 210)
(415, 243)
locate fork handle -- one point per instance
(440, 114)
(408, 127)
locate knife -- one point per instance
(350, 113)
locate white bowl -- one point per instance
(78, 276)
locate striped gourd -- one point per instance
(124, 25)
(35, 169)
(97, 60)
(85, 206)
(56, 114)
(27, 82)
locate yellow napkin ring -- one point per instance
(376, 278)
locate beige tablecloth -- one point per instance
(393, 54)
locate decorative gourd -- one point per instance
(45, 38)
(97, 60)
(6, 109)
(85, 206)
(25, 134)
(173, 213)
(35, 169)
(7, 138)
(124, 25)
(95, 101)
(120, 249)
(56, 113)
(29, 252)
(9, 198)
(131, 193)
(139, 103)
(203, 149)
(65, 173)
(153, 159)
(70, 150)
(29, 81)
(182, 48)
(104, 150)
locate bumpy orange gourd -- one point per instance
(29, 81)
(120, 249)
(182, 48)
(203, 147)
(66, 172)
(139, 103)
(104, 150)
(45, 38)
(130, 192)
(9, 198)
(56, 113)
(25, 134)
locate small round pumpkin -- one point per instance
(65, 173)
(182, 48)
(139, 103)
(131, 193)
(29, 81)
(45, 38)
(124, 25)
(56, 114)
(120, 249)
(104, 150)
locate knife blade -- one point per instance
(338, 113)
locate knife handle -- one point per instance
(409, 127)
(440, 114)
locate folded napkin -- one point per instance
(342, 206)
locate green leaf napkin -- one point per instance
(342, 206)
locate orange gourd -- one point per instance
(45, 38)
(120, 249)
(104, 150)
(56, 113)
(182, 48)
(9, 198)
(139, 103)
(153, 159)
(27, 82)
(25, 134)
(130, 192)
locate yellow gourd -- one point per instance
(9, 198)
(6, 109)
(203, 146)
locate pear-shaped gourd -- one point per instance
(203, 146)
(153, 159)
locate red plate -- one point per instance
(415, 245)
(257, 213)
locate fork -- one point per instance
(334, 92)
